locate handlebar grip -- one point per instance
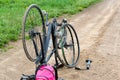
(44, 12)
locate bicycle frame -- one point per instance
(45, 44)
(65, 43)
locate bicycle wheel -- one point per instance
(33, 28)
(68, 47)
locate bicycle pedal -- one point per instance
(27, 77)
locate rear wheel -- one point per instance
(33, 28)
(68, 47)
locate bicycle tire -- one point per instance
(33, 22)
(75, 54)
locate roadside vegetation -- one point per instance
(12, 11)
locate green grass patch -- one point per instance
(12, 11)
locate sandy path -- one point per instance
(99, 34)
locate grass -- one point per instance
(12, 11)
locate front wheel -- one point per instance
(68, 46)
(33, 28)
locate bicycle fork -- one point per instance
(54, 38)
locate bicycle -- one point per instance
(38, 34)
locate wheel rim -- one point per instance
(32, 23)
(70, 51)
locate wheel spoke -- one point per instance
(33, 24)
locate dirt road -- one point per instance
(98, 29)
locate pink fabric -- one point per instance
(45, 73)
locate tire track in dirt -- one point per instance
(109, 50)
(91, 39)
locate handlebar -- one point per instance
(54, 20)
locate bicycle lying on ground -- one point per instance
(39, 35)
